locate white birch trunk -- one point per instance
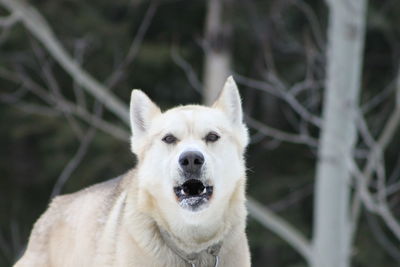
(345, 52)
(217, 61)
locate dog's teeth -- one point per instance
(204, 191)
(183, 192)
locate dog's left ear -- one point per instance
(229, 101)
(142, 111)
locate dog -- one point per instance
(182, 205)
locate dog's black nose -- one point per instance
(191, 162)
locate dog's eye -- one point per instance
(169, 139)
(211, 137)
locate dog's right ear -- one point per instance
(142, 111)
(229, 102)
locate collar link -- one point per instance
(191, 258)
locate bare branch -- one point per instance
(79, 51)
(281, 135)
(328, 2)
(109, 128)
(389, 219)
(376, 154)
(394, 176)
(37, 109)
(187, 68)
(394, 188)
(382, 239)
(377, 206)
(15, 96)
(52, 84)
(63, 105)
(292, 198)
(7, 22)
(76, 160)
(284, 95)
(118, 73)
(36, 24)
(280, 227)
(378, 98)
(73, 163)
(313, 21)
(15, 235)
(5, 247)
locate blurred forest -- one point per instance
(58, 137)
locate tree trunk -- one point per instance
(338, 136)
(217, 62)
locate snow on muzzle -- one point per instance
(193, 193)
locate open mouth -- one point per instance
(193, 193)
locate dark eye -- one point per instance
(211, 137)
(169, 139)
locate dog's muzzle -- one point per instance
(193, 191)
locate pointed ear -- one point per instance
(229, 102)
(142, 111)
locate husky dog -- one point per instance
(183, 204)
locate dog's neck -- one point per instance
(143, 229)
(194, 259)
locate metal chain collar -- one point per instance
(193, 257)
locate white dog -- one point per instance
(183, 205)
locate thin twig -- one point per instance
(281, 228)
(382, 239)
(281, 135)
(38, 26)
(63, 105)
(37, 109)
(284, 95)
(313, 22)
(292, 198)
(77, 158)
(6, 22)
(188, 69)
(119, 71)
(376, 206)
(52, 83)
(376, 154)
(79, 52)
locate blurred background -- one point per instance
(314, 76)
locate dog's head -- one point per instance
(190, 157)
